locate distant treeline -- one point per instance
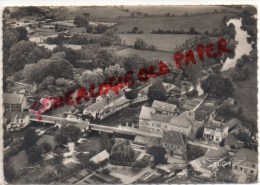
(191, 31)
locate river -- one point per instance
(242, 48)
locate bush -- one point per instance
(140, 44)
(46, 147)
(34, 154)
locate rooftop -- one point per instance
(180, 121)
(100, 157)
(173, 137)
(161, 118)
(249, 155)
(12, 98)
(163, 106)
(215, 154)
(146, 113)
(232, 140)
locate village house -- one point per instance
(100, 157)
(209, 164)
(152, 122)
(215, 131)
(106, 105)
(245, 164)
(164, 108)
(15, 112)
(232, 143)
(175, 144)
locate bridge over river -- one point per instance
(89, 126)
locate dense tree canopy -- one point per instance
(157, 92)
(56, 67)
(158, 154)
(34, 154)
(103, 59)
(81, 21)
(30, 138)
(122, 151)
(22, 33)
(217, 85)
(26, 52)
(71, 55)
(140, 44)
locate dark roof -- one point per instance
(232, 140)
(12, 98)
(163, 106)
(173, 137)
(154, 141)
(248, 155)
(233, 122)
(213, 154)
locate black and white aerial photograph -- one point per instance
(129, 94)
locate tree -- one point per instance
(114, 71)
(46, 147)
(34, 154)
(103, 59)
(26, 52)
(81, 21)
(61, 138)
(55, 66)
(131, 95)
(101, 28)
(122, 151)
(9, 171)
(30, 138)
(217, 85)
(192, 31)
(158, 154)
(135, 62)
(73, 132)
(22, 33)
(71, 55)
(140, 44)
(157, 92)
(135, 29)
(10, 37)
(107, 142)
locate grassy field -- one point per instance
(95, 12)
(176, 10)
(149, 55)
(113, 12)
(147, 24)
(246, 92)
(165, 42)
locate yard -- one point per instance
(92, 143)
(165, 42)
(149, 55)
(201, 23)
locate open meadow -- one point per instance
(165, 42)
(201, 23)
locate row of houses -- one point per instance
(162, 117)
(106, 105)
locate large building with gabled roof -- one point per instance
(175, 144)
